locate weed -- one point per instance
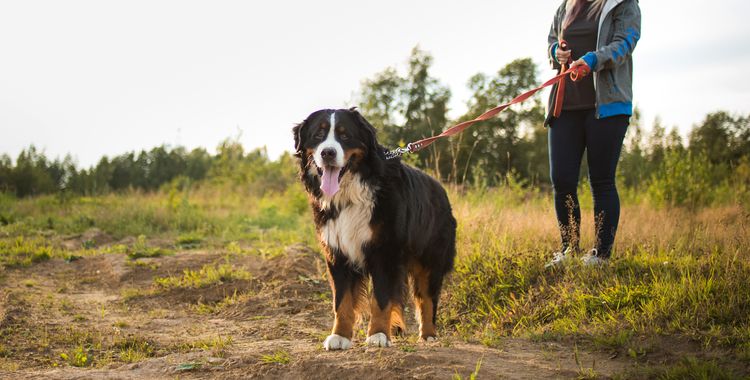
(4, 351)
(120, 324)
(141, 249)
(184, 367)
(217, 346)
(79, 357)
(474, 375)
(408, 348)
(189, 241)
(21, 252)
(584, 372)
(682, 278)
(689, 368)
(206, 276)
(133, 349)
(234, 299)
(128, 294)
(279, 357)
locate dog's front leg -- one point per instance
(347, 287)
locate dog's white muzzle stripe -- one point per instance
(330, 142)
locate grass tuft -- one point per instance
(134, 349)
(279, 357)
(140, 249)
(189, 241)
(23, 252)
(206, 276)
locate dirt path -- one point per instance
(270, 325)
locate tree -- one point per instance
(722, 137)
(513, 141)
(6, 173)
(31, 175)
(407, 109)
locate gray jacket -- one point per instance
(612, 62)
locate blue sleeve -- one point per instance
(626, 33)
(590, 59)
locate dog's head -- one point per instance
(331, 143)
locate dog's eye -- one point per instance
(320, 134)
(343, 136)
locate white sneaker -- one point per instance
(560, 258)
(592, 258)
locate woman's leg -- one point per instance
(604, 139)
(567, 140)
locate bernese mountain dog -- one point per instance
(378, 220)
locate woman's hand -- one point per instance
(579, 62)
(585, 70)
(563, 56)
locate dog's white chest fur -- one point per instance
(350, 231)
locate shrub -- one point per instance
(684, 179)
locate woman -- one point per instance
(600, 34)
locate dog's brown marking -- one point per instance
(398, 326)
(357, 153)
(425, 311)
(380, 319)
(377, 230)
(310, 152)
(348, 310)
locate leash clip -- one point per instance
(398, 152)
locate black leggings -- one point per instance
(569, 135)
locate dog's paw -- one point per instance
(429, 339)
(378, 340)
(337, 342)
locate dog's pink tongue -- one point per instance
(329, 183)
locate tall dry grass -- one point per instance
(674, 271)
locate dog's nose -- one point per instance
(328, 154)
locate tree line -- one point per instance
(35, 174)
(413, 106)
(410, 106)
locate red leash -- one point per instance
(574, 72)
(560, 86)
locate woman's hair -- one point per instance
(573, 9)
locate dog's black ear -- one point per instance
(371, 141)
(298, 130)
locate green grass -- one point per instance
(472, 376)
(78, 357)
(141, 249)
(280, 357)
(134, 349)
(190, 216)
(217, 346)
(21, 251)
(206, 276)
(189, 241)
(686, 278)
(688, 368)
(235, 299)
(676, 273)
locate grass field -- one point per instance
(213, 280)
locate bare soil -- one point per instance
(283, 309)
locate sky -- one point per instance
(94, 78)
